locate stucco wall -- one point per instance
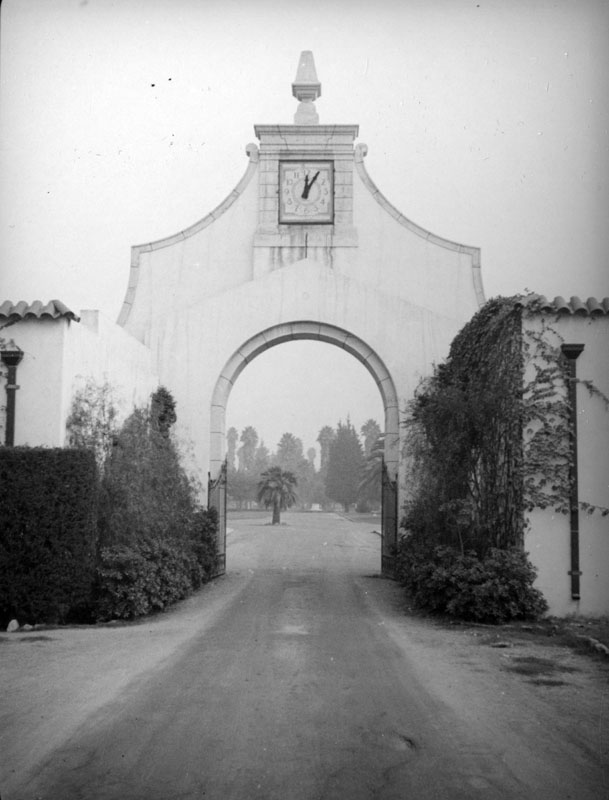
(548, 537)
(177, 273)
(99, 350)
(59, 355)
(39, 377)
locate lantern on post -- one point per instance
(11, 355)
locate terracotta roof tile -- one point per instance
(54, 308)
(590, 307)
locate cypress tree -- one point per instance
(345, 463)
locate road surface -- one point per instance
(307, 682)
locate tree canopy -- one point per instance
(248, 462)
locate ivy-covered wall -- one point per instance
(547, 327)
(464, 442)
(491, 446)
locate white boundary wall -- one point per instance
(59, 356)
(547, 539)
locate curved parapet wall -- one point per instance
(137, 250)
(360, 153)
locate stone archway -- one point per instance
(346, 267)
(317, 331)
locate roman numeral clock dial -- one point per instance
(306, 192)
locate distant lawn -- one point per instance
(255, 513)
(368, 519)
(251, 513)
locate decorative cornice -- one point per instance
(321, 131)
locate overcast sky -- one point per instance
(126, 121)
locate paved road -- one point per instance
(306, 687)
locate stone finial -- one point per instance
(306, 88)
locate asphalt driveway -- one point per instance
(298, 676)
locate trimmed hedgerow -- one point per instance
(47, 533)
(149, 575)
(203, 534)
(494, 589)
(119, 538)
(133, 582)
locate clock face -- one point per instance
(306, 192)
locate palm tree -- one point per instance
(370, 430)
(277, 489)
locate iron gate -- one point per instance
(216, 498)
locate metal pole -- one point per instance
(571, 352)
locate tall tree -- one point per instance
(372, 472)
(262, 458)
(370, 432)
(242, 487)
(325, 438)
(290, 457)
(247, 451)
(277, 489)
(232, 437)
(345, 463)
(289, 453)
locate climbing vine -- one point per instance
(546, 418)
(464, 440)
(489, 434)
(548, 435)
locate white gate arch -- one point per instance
(292, 331)
(322, 332)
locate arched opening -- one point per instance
(353, 345)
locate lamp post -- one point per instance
(11, 355)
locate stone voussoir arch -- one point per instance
(292, 331)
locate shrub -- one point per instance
(47, 533)
(145, 493)
(148, 576)
(493, 589)
(157, 544)
(74, 546)
(203, 544)
(133, 582)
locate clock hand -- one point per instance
(308, 184)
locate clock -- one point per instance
(306, 192)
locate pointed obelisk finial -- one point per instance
(306, 88)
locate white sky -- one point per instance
(123, 122)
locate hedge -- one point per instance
(493, 589)
(48, 533)
(149, 575)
